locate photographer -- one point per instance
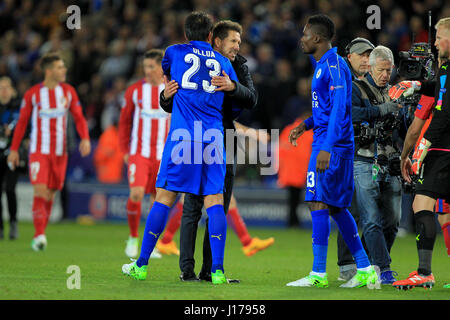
(358, 52)
(431, 160)
(9, 113)
(378, 193)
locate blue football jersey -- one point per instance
(192, 66)
(331, 91)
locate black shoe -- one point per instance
(13, 232)
(1, 234)
(234, 281)
(188, 276)
(205, 276)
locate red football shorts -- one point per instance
(142, 172)
(47, 169)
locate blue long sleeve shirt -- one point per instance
(331, 91)
(192, 65)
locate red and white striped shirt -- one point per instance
(143, 125)
(48, 111)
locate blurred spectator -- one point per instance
(397, 28)
(118, 64)
(108, 159)
(114, 100)
(299, 103)
(263, 79)
(417, 34)
(84, 64)
(294, 165)
(9, 114)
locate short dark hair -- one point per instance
(197, 26)
(155, 54)
(48, 59)
(221, 29)
(322, 25)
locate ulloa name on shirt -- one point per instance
(208, 54)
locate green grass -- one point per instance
(99, 252)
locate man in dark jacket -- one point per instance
(357, 51)
(238, 96)
(9, 113)
(378, 193)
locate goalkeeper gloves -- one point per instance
(419, 155)
(404, 88)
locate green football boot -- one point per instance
(218, 277)
(132, 270)
(363, 278)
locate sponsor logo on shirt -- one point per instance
(315, 103)
(52, 113)
(153, 113)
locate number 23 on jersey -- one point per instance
(212, 64)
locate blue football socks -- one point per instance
(349, 230)
(217, 225)
(156, 221)
(320, 235)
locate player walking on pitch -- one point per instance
(330, 173)
(143, 128)
(47, 104)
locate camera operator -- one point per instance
(378, 190)
(357, 58)
(9, 113)
(431, 160)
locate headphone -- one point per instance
(355, 41)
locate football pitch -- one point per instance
(98, 253)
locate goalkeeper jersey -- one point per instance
(438, 132)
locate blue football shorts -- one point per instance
(333, 187)
(192, 167)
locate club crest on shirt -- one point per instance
(63, 101)
(319, 72)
